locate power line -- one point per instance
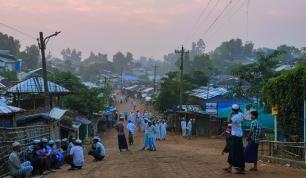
(217, 18)
(206, 17)
(231, 15)
(247, 20)
(204, 10)
(17, 30)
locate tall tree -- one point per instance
(119, 62)
(9, 43)
(31, 57)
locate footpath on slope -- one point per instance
(175, 158)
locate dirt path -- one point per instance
(176, 157)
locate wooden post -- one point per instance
(14, 120)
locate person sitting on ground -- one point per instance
(46, 154)
(131, 129)
(59, 154)
(97, 150)
(15, 166)
(76, 156)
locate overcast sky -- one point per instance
(153, 27)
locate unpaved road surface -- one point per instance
(174, 158)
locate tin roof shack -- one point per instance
(28, 94)
(25, 130)
(8, 115)
(74, 125)
(203, 124)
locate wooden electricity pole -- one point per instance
(155, 67)
(42, 46)
(182, 52)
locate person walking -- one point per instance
(97, 150)
(122, 144)
(251, 150)
(183, 127)
(15, 166)
(157, 130)
(236, 152)
(163, 130)
(131, 129)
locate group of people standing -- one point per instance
(186, 127)
(237, 154)
(153, 129)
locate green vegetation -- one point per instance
(85, 101)
(288, 92)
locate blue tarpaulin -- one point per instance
(110, 110)
(129, 78)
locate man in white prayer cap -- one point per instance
(236, 151)
(97, 149)
(77, 155)
(15, 166)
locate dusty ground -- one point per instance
(175, 157)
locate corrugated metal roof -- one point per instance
(207, 93)
(36, 85)
(82, 120)
(57, 113)
(5, 109)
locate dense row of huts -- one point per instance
(24, 118)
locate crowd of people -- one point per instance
(238, 155)
(154, 129)
(44, 156)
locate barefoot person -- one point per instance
(251, 150)
(122, 144)
(236, 152)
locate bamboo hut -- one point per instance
(28, 94)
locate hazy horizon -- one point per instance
(152, 28)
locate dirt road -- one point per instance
(176, 157)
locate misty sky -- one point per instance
(153, 27)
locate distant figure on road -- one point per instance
(157, 130)
(122, 144)
(151, 137)
(163, 130)
(131, 129)
(183, 126)
(76, 156)
(97, 150)
(189, 129)
(15, 166)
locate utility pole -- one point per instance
(42, 46)
(182, 52)
(155, 67)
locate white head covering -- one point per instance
(44, 140)
(78, 141)
(58, 141)
(15, 144)
(51, 142)
(35, 142)
(65, 140)
(235, 106)
(96, 138)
